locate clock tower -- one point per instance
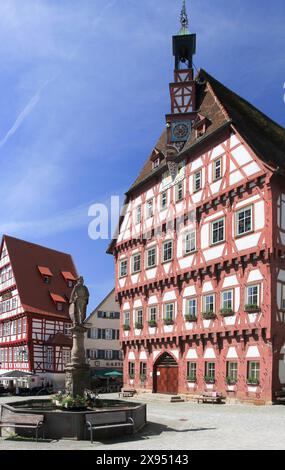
(182, 90)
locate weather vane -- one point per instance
(184, 19)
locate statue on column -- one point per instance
(78, 302)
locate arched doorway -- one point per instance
(165, 375)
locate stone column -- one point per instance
(77, 373)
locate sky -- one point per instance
(83, 97)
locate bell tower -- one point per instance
(182, 90)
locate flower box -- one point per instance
(168, 322)
(252, 381)
(226, 312)
(209, 380)
(208, 315)
(139, 326)
(152, 324)
(192, 379)
(126, 327)
(252, 308)
(190, 318)
(231, 381)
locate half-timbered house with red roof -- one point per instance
(200, 250)
(35, 286)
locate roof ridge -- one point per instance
(9, 237)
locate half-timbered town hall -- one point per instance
(200, 253)
(35, 286)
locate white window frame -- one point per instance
(168, 260)
(139, 314)
(125, 260)
(195, 179)
(244, 209)
(224, 231)
(172, 309)
(258, 294)
(127, 318)
(215, 163)
(282, 296)
(149, 208)
(179, 187)
(227, 291)
(190, 234)
(163, 200)
(138, 214)
(133, 263)
(152, 248)
(152, 313)
(205, 303)
(189, 311)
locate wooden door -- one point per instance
(167, 379)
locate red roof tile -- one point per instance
(34, 294)
(68, 276)
(57, 298)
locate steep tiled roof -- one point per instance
(35, 294)
(221, 106)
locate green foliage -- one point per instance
(126, 327)
(69, 402)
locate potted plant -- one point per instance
(209, 315)
(253, 381)
(138, 326)
(131, 375)
(168, 321)
(209, 380)
(226, 312)
(190, 318)
(126, 327)
(252, 308)
(152, 323)
(231, 380)
(67, 402)
(143, 378)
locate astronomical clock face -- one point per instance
(180, 131)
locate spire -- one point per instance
(184, 20)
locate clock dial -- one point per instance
(180, 131)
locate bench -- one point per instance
(113, 420)
(20, 420)
(128, 393)
(280, 396)
(211, 397)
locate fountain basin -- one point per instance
(69, 424)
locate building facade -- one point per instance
(200, 251)
(102, 343)
(35, 286)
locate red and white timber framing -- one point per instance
(254, 341)
(25, 337)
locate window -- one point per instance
(123, 268)
(192, 371)
(59, 306)
(169, 312)
(191, 308)
(179, 191)
(253, 374)
(139, 317)
(163, 200)
(232, 371)
(149, 208)
(152, 312)
(210, 371)
(13, 328)
(151, 257)
(227, 299)
(217, 169)
(190, 242)
(46, 279)
(49, 358)
(19, 326)
(131, 370)
(283, 297)
(218, 231)
(143, 370)
(127, 318)
(14, 303)
(109, 354)
(65, 356)
(138, 215)
(155, 163)
(167, 251)
(252, 296)
(244, 221)
(136, 263)
(197, 181)
(109, 334)
(209, 303)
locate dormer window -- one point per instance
(69, 278)
(59, 301)
(155, 163)
(45, 273)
